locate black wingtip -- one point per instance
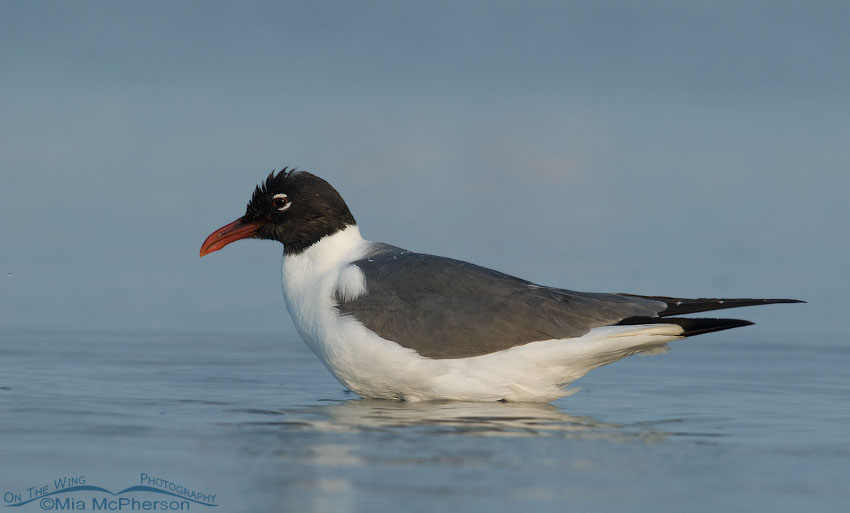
(691, 326)
(683, 306)
(712, 325)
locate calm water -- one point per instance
(728, 421)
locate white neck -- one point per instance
(330, 252)
(310, 279)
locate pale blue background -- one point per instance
(652, 147)
(661, 148)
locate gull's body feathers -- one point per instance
(371, 366)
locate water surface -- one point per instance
(729, 420)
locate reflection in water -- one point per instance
(478, 419)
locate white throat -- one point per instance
(330, 252)
(310, 277)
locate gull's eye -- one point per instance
(280, 202)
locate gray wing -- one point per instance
(445, 308)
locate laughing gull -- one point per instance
(394, 324)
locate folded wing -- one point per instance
(445, 308)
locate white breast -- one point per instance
(362, 361)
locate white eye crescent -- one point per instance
(281, 202)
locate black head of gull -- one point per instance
(295, 208)
(390, 323)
